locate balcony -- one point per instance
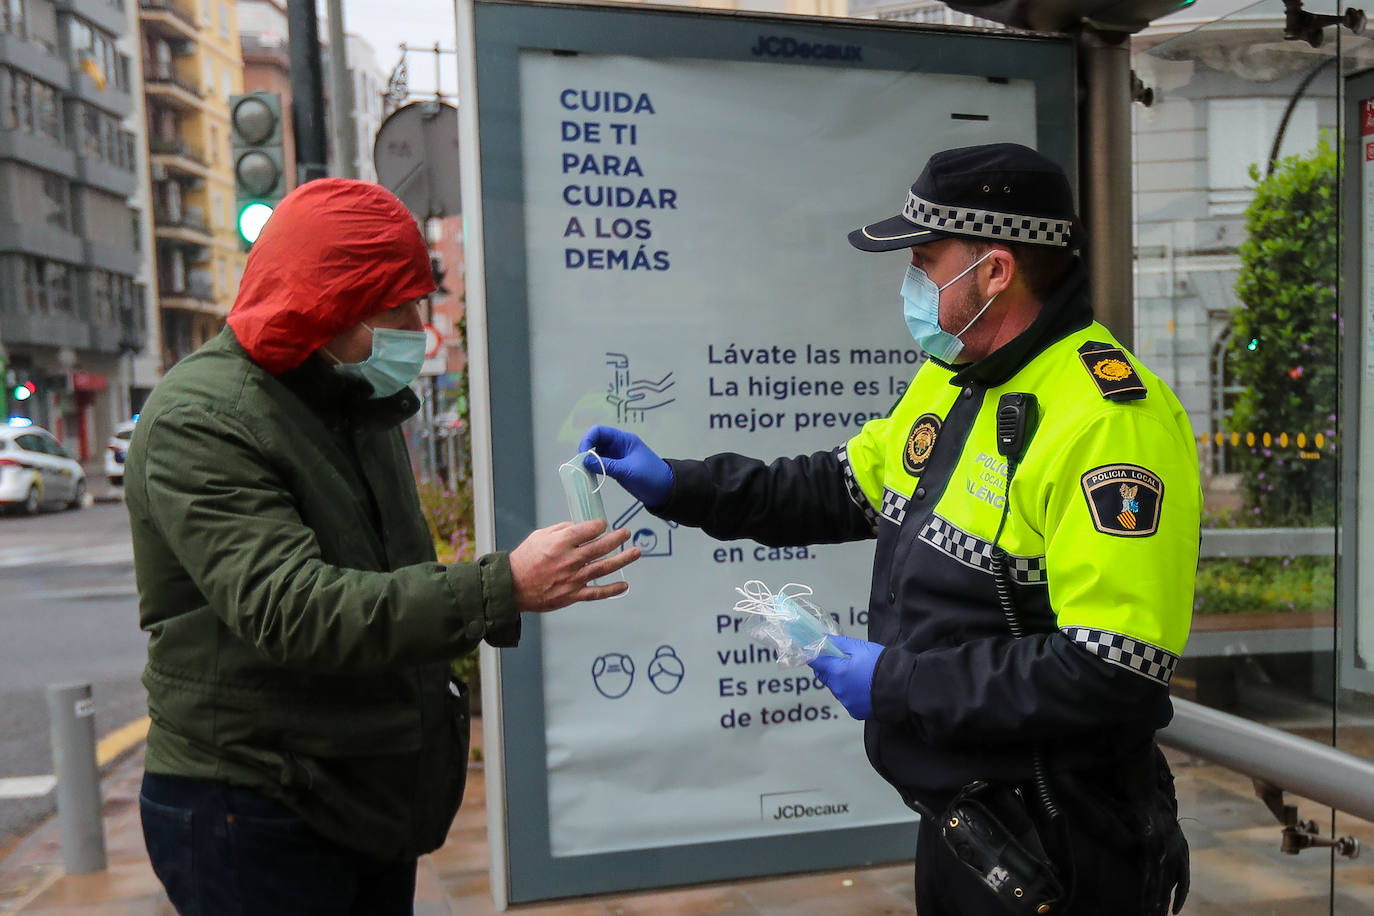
(163, 84)
(168, 19)
(186, 227)
(175, 158)
(195, 295)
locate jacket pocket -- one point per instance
(452, 763)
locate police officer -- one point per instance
(1033, 579)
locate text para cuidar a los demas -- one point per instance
(614, 240)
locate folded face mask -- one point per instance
(584, 499)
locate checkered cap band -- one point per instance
(976, 553)
(1009, 227)
(1144, 659)
(856, 492)
(894, 505)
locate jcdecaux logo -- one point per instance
(780, 46)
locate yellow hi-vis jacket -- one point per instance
(1101, 542)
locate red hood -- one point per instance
(335, 252)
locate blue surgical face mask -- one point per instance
(394, 363)
(921, 308)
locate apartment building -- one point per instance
(191, 65)
(71, 304)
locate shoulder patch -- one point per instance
(1111, 371)
(1124, 499)
(920, 442)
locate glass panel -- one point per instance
(1237, 309)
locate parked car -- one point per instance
(36, 471)
(115, 452)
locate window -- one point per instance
(223, 20)
(214, 145)
(47, 121)
(13, 12)
(22, 101)
(136, 229)
(57, 191)
(58, 280)
(8, 115)
(1239, 133)
(30, 291)
(90, 131)
(102, 306)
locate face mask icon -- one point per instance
(666, 670)
(613, 674)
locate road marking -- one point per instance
(106, 749)
(121, 739)
(102, 555)
(27, 786)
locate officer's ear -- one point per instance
(1002, 271)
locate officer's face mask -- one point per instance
(921, 308)
(395, 361)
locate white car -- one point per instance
(36, 471)
(115, 452)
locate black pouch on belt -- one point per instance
(989, 830)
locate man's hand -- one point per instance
(850, 678)
(551, 567)
(630, 463)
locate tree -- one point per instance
(1284, 343)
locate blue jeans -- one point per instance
(225, 851)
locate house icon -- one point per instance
(651, 534)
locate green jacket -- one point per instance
(300, 630)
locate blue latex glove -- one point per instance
(850, 678)
(630, 463)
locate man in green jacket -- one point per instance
(307, 740)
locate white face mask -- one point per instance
(921, 309)
(394, 363)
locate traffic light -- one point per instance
(259, 176)
(1068, 15)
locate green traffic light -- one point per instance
(1253, 344)
(251, 220)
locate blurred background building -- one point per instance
(71, 291)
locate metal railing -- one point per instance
(156, 75)
(1268, 542)
(1324, 774)
(177, 147)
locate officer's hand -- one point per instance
(550, 569)
(630, 463)
(850, 678)
(1172, 876)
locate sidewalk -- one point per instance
(452, 881)
(1236, 863)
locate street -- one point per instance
(68, 612)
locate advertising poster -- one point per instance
(689, 280)
(666, 199)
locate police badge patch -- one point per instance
(920, 442)
(1124, 499)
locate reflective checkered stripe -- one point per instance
(1012, 227)
(894, 505)
(976, 553)
(1144, 659)
(1027, 570)
(856, 492)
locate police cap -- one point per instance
(999, 191)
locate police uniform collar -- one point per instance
(1065, 311)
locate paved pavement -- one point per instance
(1237, 868)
